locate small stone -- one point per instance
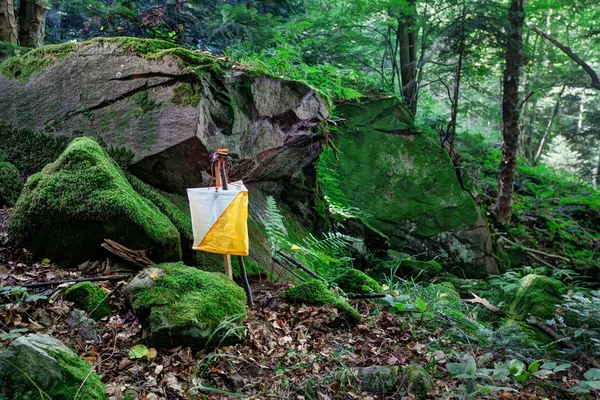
(418, 382)
(379, 379)
(86, 327)
(89, 298)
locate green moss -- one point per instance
(418, 382)
(78, 372)
(90, 298)
(186, 297)
(316, 292)
(8, 50)
(415, 268)
(67, 210)
(24, 66)
(27, 150)
(187, 95)
(181, 220)
(397, 176)
(538, 296)
(353, 281)
(11, 184)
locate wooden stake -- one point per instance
(220, 183)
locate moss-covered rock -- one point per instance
(68, 209)
(408, 184)
(418, 382)
(404, 266)
(379, 379)
(181, 305)
(90, 298)
(316, 293)
(353, 281)
(537, 295)
(51, 367)
(11, 184)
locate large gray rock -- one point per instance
(54, 368)
(172, 107)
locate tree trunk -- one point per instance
(456, 96)
(32, 15)
(407, 36)
(8, 24)
(555, 111)
(598, 173)
(510, 111)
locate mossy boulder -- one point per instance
(11, 184)
(316, 292)
(418, 382)
(170, 106)
(353, 281)
(537, 295)
(67, 210)
(404, 266)
(90, 298)
(181, 305)
(41, 363)
(408, 184)
(379, 379)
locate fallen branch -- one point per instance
(563, 341)
(367, 296)
(302, 267)
(139, 258)
(288, 269)
(94, 279)
(484, 302)
(530, 250)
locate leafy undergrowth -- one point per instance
(553, 212)
(292, 351)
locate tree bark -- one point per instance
(407, 36)
(32, 16)
(598, 173)
(8, 23)
(458, 74)
(510, 111)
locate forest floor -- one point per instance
(295, 352)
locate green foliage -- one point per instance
(324, 256)
(578, 320)
(90, 298)
(27, 150)
(11, 184)
(84, 198)
(315, 292)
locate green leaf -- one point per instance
(471, 367)
(534, 366)
(516, 367)
(456, 368)
(421, 305)
(592, 375)
(138, 351)
(562, 367)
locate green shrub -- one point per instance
(11, 184)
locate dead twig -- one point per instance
(93, 279)
(139, 258)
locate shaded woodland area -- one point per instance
(424, 199)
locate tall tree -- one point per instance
(32, 22)
(510, 110)
(8, 25)
(407, 39)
